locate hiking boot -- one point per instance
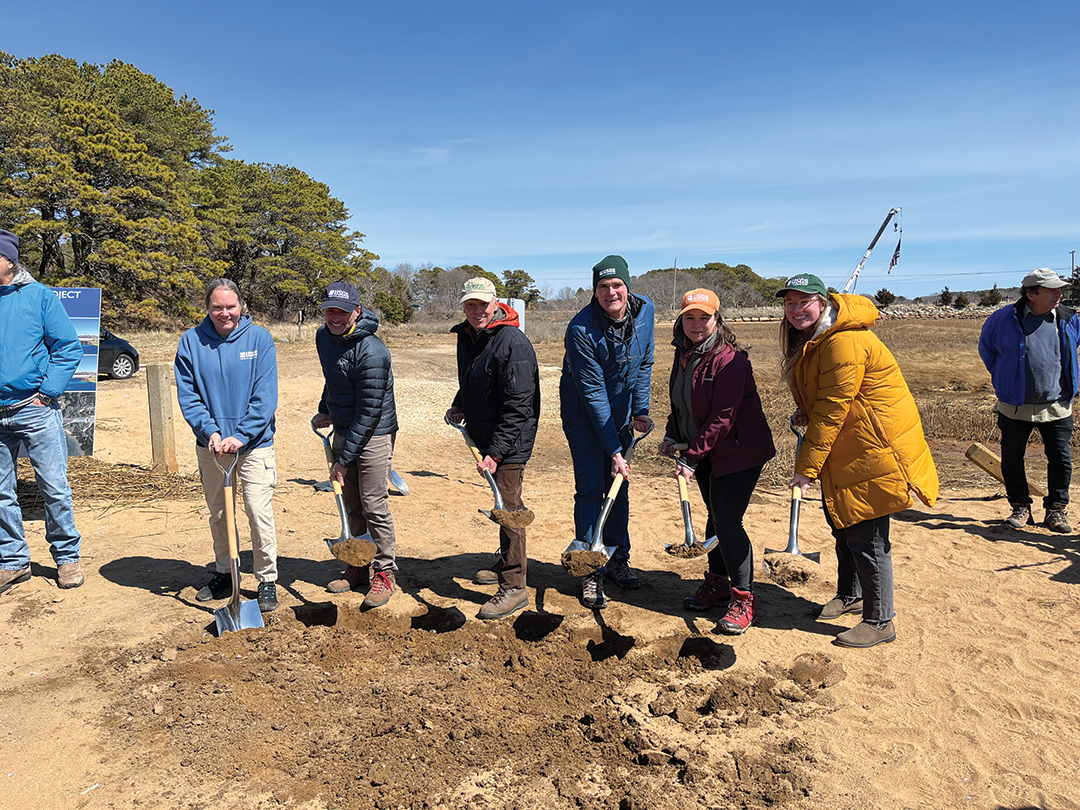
(592, 592)
(382, 588)
(715, 591)
(9, 578)
(490, 576)
(619, 571)
(839, 605)
(267, 597)
(69, 575)
(503, 603)
(740, 613)
(1020, 517)
(219, 587)
(1055, 520)
(353, 579)
(867, 634)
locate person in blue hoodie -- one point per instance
(39, 352)
(226, 381)
(604, 393)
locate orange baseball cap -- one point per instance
(702, 300)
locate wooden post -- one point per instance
(988, 461)
(162, 438)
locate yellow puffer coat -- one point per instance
(865, 439)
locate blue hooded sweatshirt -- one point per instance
(228, 385)
(39, 347)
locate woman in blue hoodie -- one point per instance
(226, 381)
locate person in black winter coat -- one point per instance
(498, 398)
(358, 400)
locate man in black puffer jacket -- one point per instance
(358, 400)
(499, 400)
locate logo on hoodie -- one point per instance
(249, 355)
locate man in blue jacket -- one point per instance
(604, 392)
(39, 352)
(1029, 349)
(226, 382)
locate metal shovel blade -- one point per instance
(354, 551)
(236, 614)
(793, 533)
(399, 482)
(510, 518)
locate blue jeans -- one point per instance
(592, 480)
(42, 429)
(1055, 436)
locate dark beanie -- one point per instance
(610, 267)
(9, 246)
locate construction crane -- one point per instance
(894, 212)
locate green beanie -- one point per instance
(610, 267)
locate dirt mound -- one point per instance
(432, 712)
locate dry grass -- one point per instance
(116, 484)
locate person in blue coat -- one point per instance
(226, 381)
(39, 352)
(1029, 349)
(604, 392)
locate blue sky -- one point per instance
(544, 136)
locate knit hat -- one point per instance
(610, 267)
(701, 300)
(341, 295)
(479, 289)
(804, 283)
(1042, 277)
(9, 246)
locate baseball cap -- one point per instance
(1044, 277)
(805, 283)
(341, 295)
(479, 288)
(702, 300)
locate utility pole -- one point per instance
(675, 285)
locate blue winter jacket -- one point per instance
(228, 385)
(605, 380)
(39, 347)
(1002, 349)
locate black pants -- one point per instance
(1055, 436)
(726, 498)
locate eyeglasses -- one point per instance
(796, 306)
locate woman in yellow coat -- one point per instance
(864, 442)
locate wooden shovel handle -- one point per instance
(230, 523)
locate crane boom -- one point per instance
(855, 273)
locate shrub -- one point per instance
(990, 298)
(884, 297)
(961, 301)
(945, 299)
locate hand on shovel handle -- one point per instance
(511, 519)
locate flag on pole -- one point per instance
(896, 254)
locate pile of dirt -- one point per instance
(436, 712)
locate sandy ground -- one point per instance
(120, 695)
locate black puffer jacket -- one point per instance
(359, 390)
(499, 387)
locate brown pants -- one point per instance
(365, 492)
(515, 559)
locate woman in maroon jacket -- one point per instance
(715, 409)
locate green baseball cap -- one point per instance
(805, 283)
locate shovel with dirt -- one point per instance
(510, 518)
(237, 614)
(793, 521)
(351, 550)
(691, 546)
(583, 559)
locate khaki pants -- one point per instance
(366, 492)
(258, 473)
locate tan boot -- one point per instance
(503, 603)
(864, 634)
(9, 578)
(382, 588)
(69, 575)
(353, 579)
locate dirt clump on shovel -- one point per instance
(790, 569)
(685, 552)
(354, 551)
(513, 519)
(583, 563)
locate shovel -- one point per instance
(236, 615)
(355, 551)
(583, 559)
(511, 519)
(399, 482)
(691, 546)
(793, 522)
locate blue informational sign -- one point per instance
(79, 402)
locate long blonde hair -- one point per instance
(792, 341)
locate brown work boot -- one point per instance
(867, 634)
(503, 603)
(1020, 517)
(9, 578)
(69, 575)
(1056, 521)
(839, 605)
(490, 576)
(716, 591)
(353, 579)
(382, 588)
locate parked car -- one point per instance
(116, 357)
